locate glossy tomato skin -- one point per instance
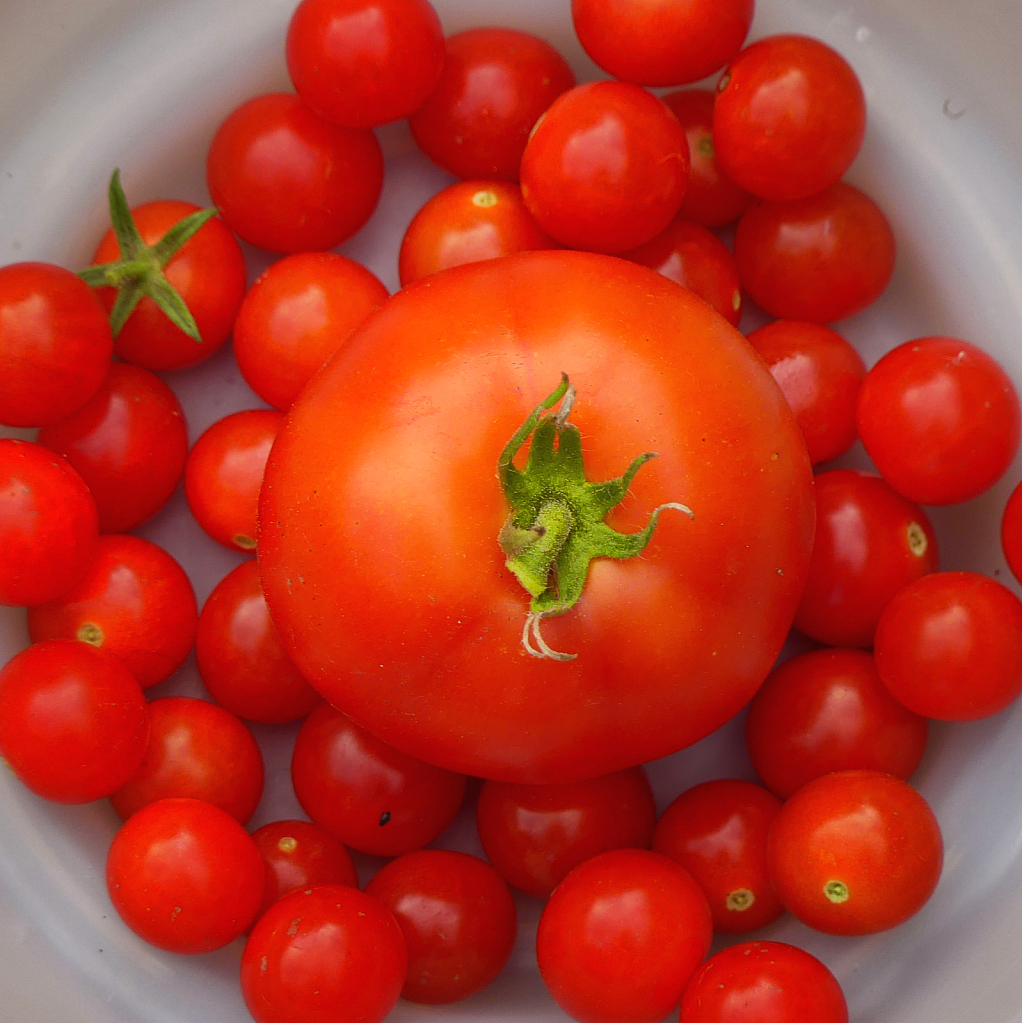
(621, 935)
(495, 84)
(656, 369)
(1011, 531)
(940, 418)
(55, 343)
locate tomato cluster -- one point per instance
(474, 583)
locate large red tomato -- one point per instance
(382, 514)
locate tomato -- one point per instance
(295, 316)
(822, 258)
(363, 63)
(606, 167)
(1011, 531)
(763, 982)
(940, 418)
(789, 118)
(322, 955)
(135, 602)
(668, 42)
(825, 711)
(620, 937)
(495, 84)
(949, 646)
(465, 222)
(870, 542)
(128, 442)
(73, 721)
(535, 834)
(718, 832)
(380, 516)
(288, 181)
(457, 917)
(820, 374)
(55, 343)
(855, 852)
(185, 876)
(48, 525)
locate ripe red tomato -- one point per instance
(620, 937)
(1011, 531)
(55, 343)
(495, 84)
(381, 513)
(535, 834)
(940, 418)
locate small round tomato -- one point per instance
(224, 472)
(606, 167)
(134, 601)
(55, 343)
(48, 525)
(535, 834)
(855, 852)
(288, 181)
(949, 646)
(495, 84)
(789, 118)
(196, 750)
(763, 982)
(1011, 532)
(371, 796)
(457, 917)
(822, 258)
(820, 374)
(620, 937)
(718, 832)
(129, 443)
(73, 721)
(825, 711)
(185, 876)
(940, 418)
(296, 315)
(322, 955)
(870, 542)
(466, 222)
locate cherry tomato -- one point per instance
(940, 419)
(669, 42)
(321, 955)
(949, 646)
(129, 443)
(1011, 531)
(362, 63)
(763, 982)
(48, 525)
(224, 472)
(535, 834)
(495, 84)
(457, 917)
(870, 542)
(55, 343)
(371, 796)
(606, 167)
(196, 750)
(820, 374)
(620, 937)
(185, 876)
(825, 711)
(135, 602)
(822, 258)
(789, 118)
(718, 832)
(73, 721)
(294, 318)
(855, 852)
(288, 181)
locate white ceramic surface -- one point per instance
(141, 84)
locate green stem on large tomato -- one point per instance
(556, 525)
